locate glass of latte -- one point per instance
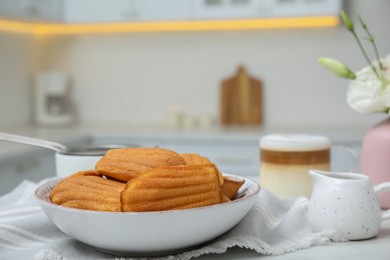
(285, 160)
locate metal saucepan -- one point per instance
(68, 160)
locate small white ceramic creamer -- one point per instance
(346, 203)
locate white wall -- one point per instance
(134, 78)
(18, 59)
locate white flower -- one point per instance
(369, 90)
(369, 94)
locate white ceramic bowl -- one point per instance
(148, 233)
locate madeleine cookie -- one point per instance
(88, 190)
(175, 187)
(231, 186)
(125, 164)
(194, 158)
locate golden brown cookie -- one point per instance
(194, 158)
(174, 187)
(231, 186)
(88, 190)
(125, 164)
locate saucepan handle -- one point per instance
(383, 187)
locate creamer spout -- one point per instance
(317, 174)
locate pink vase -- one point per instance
(376, 157)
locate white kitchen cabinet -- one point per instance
(225, 9)
(282, 8)
(151, 10)
(245, 9)
(9, 8)
(92, 11)
(47, 10)
(32, 10)
(106, 11)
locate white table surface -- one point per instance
(377, 248)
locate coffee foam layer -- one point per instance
(294, 142)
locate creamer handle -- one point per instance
(383, 187)
(353, 155)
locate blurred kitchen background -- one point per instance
(125, 79)
(135, 78)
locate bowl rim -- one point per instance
(55, 180)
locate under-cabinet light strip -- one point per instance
(19, 27)
(209, 25)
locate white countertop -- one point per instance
(238, 133)
(374, 249)
(332, 132)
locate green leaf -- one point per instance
(337, 67)
(347, 22)
(364, 25)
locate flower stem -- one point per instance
(364, 53)
(372, 40)
(349, 25)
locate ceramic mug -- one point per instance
(347, 203)
(82, 158)
(67, 164)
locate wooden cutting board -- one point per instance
(241, 99)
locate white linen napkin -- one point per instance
(272, 227)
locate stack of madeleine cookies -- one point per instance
(146, 179)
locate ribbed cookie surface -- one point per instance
(125, 164)
(88, 190)
(194, 158)
(176, 187)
